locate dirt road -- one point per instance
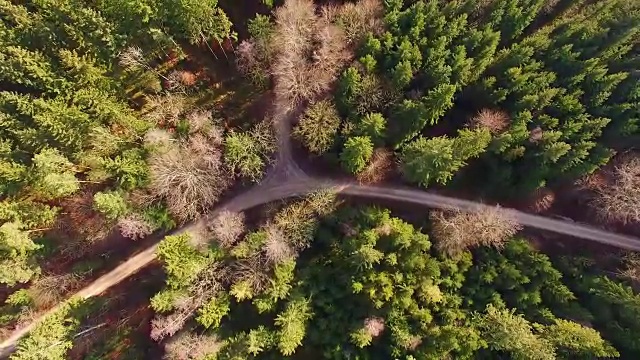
(262, 194)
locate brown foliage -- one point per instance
(374, 326)
(134, 227)
(310, 51)
(227, 227)
(79, 222)
(358, 19)
(276, 248)
(379, 168)
(542, 199)
(51, 289)
(496, 121)
(189, 346)
(180, 80)
(619, 200)
(165, 108)
(189, 179)
(631, 267)
(458, 231)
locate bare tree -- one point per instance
(51, 289)
(134, 226)
(180, 80)
(189, 181)
(631, 267)
(496, 121)
(310, 51)
(619, 200)
(358, 19)
(542, 199)
(227, 227)
(165, 108)
(457, 231)
(157, 137)
(276, 248)
(379, 168)
(374, 325)
(189, 346)
(133, 58)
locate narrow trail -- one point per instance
(286, 180)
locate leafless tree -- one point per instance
(379, 168)
(199, 119)
(310, 51)
(496, 121)
(631, 267)
(180, 80)
(536, 134)
(619, 200)
(457, 231)
(227, 227)
(253, 270)
(189, 346)
(157, 137)
(51, 289)
(134, 226)
(374, 325)
(542, 199)
(165, 108)
(276, 248)
(189, 181)
(358, 19)
(133, 58)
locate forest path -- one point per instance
(285, 180)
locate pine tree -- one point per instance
(356, 153)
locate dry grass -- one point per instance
(458, 231)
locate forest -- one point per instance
(215, 139)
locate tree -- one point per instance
(16, 249)
(356, 153)
(182, 262)
(618, 200)
(372, 125)
(318, 127)
(506, 331)
(292, 322)
(52, 338)
(187, 345)
(243, 154)
(435, 160)
(53, 175)
(456, 232)
(111, 204)
(196, 21)
(574, 340)
(227, 227)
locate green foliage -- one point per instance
(506, 331)
(243, 154)
(356, 153)
(111, 204)
(51, 338)
(425, 161)
(16, 252)
(196, 21)
(318, 127)
(213, 311)
(291, 325)
(182, 262)
(573, 340)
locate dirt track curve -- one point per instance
(286, 180)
